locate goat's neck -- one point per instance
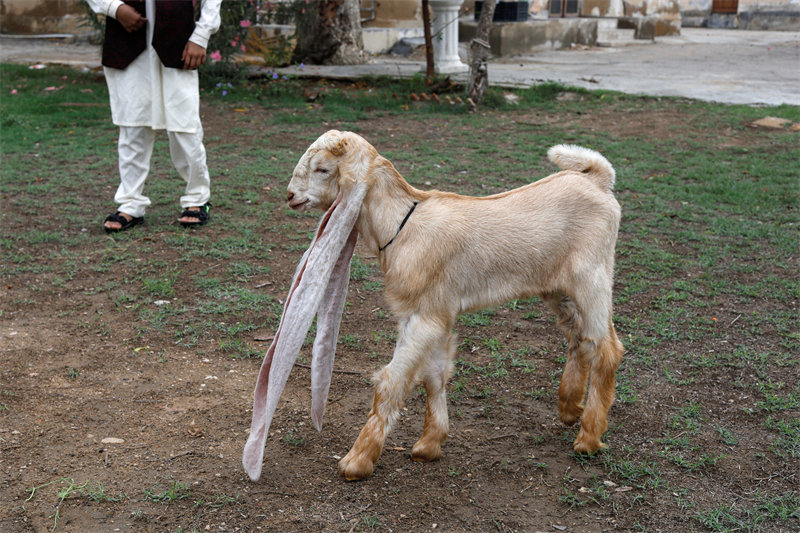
(386, 205)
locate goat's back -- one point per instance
(515, 244)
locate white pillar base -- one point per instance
(445, 37)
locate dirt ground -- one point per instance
(76, 371)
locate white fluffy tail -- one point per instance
(580, 159)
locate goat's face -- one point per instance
(331, 165)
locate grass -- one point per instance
(705, 296)
(69, 489)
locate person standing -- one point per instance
(151, 53)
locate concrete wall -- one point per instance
(522, 38)
(750, 15)
(771, 15)
(30, 17)
(662, 17)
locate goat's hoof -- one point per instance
(355, 468)
(426, 452)
(587, 444)
(569, 414)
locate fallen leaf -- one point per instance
(193, 430)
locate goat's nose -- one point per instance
(289, 196)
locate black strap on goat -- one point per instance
(403, 223)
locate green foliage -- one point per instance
(174, 492)
(773, 509)
(230, 42)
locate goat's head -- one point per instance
(332, 165)
(332, 175)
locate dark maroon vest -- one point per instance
(174, 25)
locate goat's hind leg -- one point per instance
(437, 425)
(604, 362)
(576, 370)
(595, 352)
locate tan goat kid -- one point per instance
(443, 254)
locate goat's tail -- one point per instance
(579, 159)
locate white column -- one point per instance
(445, 36)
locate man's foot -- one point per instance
(120, 221)
(195, 216)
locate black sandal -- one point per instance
(202, 216)
(122, 221)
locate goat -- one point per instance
(443, 254)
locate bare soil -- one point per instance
(75, 371)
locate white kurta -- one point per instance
(148, 94)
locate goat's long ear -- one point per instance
(320, 280)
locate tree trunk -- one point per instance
(426, 28)
(329, 33)
(478, 52)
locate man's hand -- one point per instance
(130, 19)
(193, 56)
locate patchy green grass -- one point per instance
(704, 435)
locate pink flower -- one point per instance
(244, 49)
(215, 56)
(13, 91)
(245, 23)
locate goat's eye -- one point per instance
(322, 170)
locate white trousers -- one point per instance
(135, 150)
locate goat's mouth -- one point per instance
(299, 204)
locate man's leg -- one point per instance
(135, 148)
(189, 157)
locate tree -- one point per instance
(329, 32)
(426, 27)
(478, 53)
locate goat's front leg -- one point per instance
(392, 385)
(437, 425)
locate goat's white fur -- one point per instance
(554, 238)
